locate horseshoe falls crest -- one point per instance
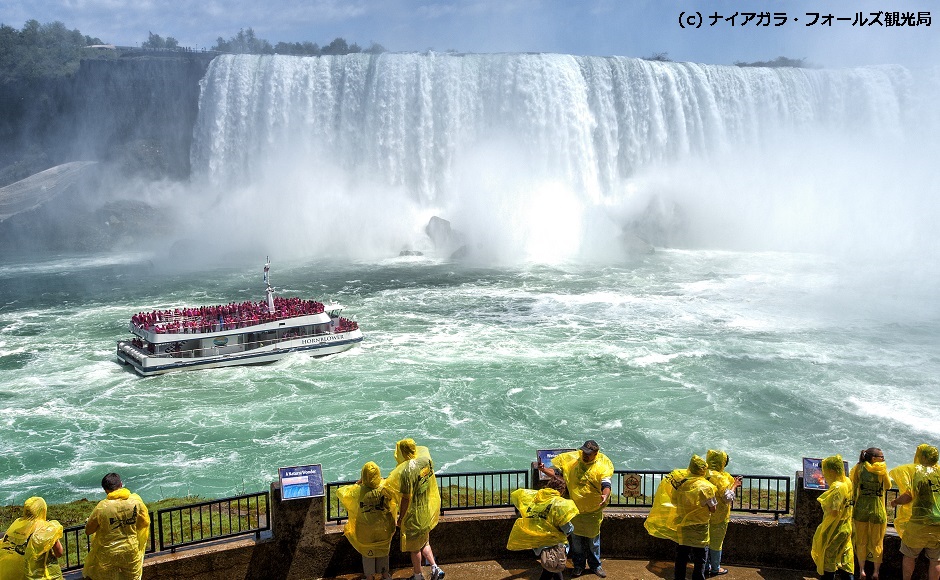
(789, 307)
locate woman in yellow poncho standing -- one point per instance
(682, 507)
(870, 481)
(30, 548)
(415, 484)
(725, 486)
(372, 511)
(832, 542)
(544, 522)
(918, 517)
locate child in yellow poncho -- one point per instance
(30, 548)
(725, 486)
(832, 542)
(870, 481)
(544, 522)
(918, 517)
(372, 511)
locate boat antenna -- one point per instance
(269, 291)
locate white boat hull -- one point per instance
(157, 364)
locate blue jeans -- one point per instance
(585, 550)
(713, 564)
(686, 553)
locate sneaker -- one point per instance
(437, 573)
(600, 572)
(577, 572)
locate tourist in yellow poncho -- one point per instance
(870, 519)
(832, 542)
(415, 484)
(682, 507)
(544, 521)
(120, 525)
(725, 486)
(918, 517)
(587, 474)
(30, 548)
(372, 511)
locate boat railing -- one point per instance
(168, 350)
(205, 325)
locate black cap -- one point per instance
(590, 446)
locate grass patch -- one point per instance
(77, 512)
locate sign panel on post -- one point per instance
(546, 455)
(813, 475)
(301, 481)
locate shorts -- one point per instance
(932, 553)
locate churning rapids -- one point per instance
(789, 309)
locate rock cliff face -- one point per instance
(133, 116)
(138, 113)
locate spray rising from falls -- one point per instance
(553, 157)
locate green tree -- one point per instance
(155, 41)
(245, 42)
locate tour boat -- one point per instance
(243, 333)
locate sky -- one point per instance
(634, 28)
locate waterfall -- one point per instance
(558, 148)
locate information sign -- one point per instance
(301, 481)
(546, 456)
(812, 473)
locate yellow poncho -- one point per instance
(722, 480)
(541, 515)
(584, 488)
(680, 512)
(918, 522)
(118, 545)
(26, 550)
(414, 476)
(870, 482)
(832, 542)
(372, 512)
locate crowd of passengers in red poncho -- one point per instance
(225, 317)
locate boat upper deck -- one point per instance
(226, 317)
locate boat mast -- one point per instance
(269, 291)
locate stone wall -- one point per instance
(303, 546)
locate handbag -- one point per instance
(553, 558)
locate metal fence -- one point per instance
(184, 526)
(758, 494)
(459, 491)
(213, 520)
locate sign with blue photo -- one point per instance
(301, 481)
(545, 456)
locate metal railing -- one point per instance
(213, 520)
(481, 489)
(758, 494)
(184, 526)
(459, 491)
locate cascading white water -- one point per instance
(541, 156)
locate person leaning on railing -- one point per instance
(30, 548)
(832, 543)
(870, 482)
(372, 511)
(725, 485)
(120, 526)
(918, 518)
(682, 507)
